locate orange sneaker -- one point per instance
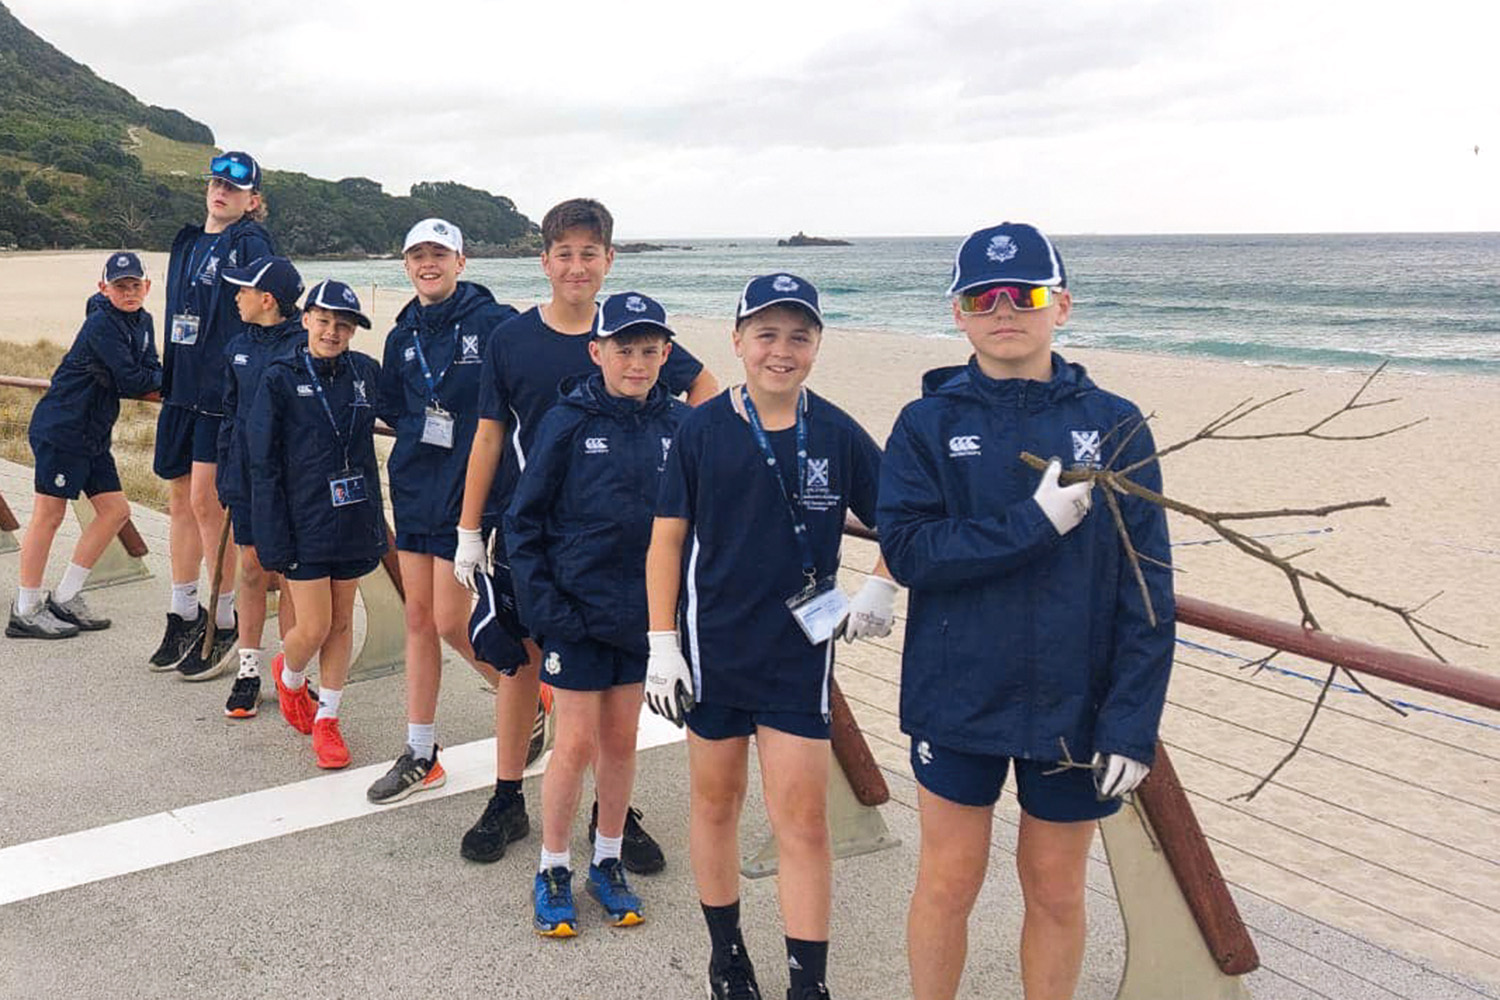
(297, 707)
(328, 744)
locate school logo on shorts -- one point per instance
(1001, 249)
(635, 304)
(304, 390)
(242, 359)
(785, 283)
(470, 343)
(360, 399)
(924, 752)
(963, 446)
(60, 480)
(596, 446)
(1086, 446)
(553, 664)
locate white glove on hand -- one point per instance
(1065, 506)
(669, 682)
(873, 610)
(471, 555)
(1116, 776)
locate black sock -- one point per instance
(508, 789)
(723, 929)
(808, 963)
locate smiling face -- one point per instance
(576, 264)
(126, 294)
(630, 365)
(228, 204)
(433, 270)
(1011, 343)
(778, 346)
(328, 331)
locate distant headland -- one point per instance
(804, 240)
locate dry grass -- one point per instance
(160, 155)
(135, 432)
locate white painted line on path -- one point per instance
(73, 859)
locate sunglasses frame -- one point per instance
(236, 171)
(1046, 291)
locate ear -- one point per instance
(666, 349)
(103, 287)
(595, 354)
(462, 263)
(1064, 307)
(738, 340)
(958, 317)
(609, 259)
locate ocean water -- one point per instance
(1424, 302)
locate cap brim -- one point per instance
(653, 324)
(243, 186)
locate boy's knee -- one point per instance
(47, 515)
(419, 619)
(1054, 891)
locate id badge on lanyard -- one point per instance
(347, 487)
(820, 608)
(184, 329)
(437, 427)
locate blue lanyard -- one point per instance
(799, 527)
(195, 263)
(432, 384)
(343, 440)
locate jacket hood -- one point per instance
(1068, 379)
(97, 302)
(467, 298)
(286, 328)
(587, 393)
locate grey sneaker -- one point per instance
(39, 624)
(406, 777)
(76, 612)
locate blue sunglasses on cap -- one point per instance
(222, 165)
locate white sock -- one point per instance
(562, 859)
(185, 600)
(607, 847)
(421, 737)
(73, 579)
(292, 679)
(249, 662)
(27, 599)
(224, 613)
(328, 703)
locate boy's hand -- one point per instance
(471, 555)
(873, 610)
(669, 682)
(1065, 506)
(1116, 776)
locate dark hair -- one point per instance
(796, 308)
(577, 213)
(635, 334)
(287, 309)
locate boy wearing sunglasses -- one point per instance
(1028, 642)
(201, 320)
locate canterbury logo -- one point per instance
(963, 445)
(596, 446)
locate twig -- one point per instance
(1306, 728)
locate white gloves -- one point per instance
(1065, 506)
(1116, 776)
(669, 682)
(873, 610)
(471, 555)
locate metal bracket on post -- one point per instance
(121, 561)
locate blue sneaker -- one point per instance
(555, 913)
(607, 884)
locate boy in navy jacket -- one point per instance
(315, 505)
(744, 554)
(576, 533)
(1028, 643)
(201, 319)
(113, 356)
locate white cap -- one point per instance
(439, 231)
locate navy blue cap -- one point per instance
(778, 289)
(1010, 252)
(123, 265)
(267, 274)
(239, 169)
(335, 295)
(626, 309)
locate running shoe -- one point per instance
(553, 894)
(244, 699)
(608, 886)
(328, 744)
(406, 777)
(504, 820)
(181, 636)
(733, 978)
(40, 623)
(75, 612)
(297, 707)
(221, 658)
(640, 852)
(818, 992)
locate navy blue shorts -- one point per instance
(973, 779)
(241, 522)
(65, 474)
(352, 570)
(495, 630)
(184, 436)
(590, 665)
(442, 544)
(720, 722)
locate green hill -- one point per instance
(83, 163)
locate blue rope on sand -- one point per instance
(1274, 534)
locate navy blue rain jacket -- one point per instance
(579, 524)
(1019, 641)
(113, 356)
(294, 451)
(194, 374)
(427, 482)
(248, 356)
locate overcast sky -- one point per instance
(879, 117)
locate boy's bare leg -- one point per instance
(314, 623)
(577, 714)
(286, 606)
(204, 499)
(1052, 860)
(47, 513)
(184, 541)
(614, 767)
(251, 602)
(338, 646)
(111, 511)
(794, 774)
(954, 854)
(423, 655)
(718, 777)
(515, 711)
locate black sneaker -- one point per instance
(540, 723)
(76, 612)
(734, 978)
(40, 623)
(244, 699)
(504, 820)
(181, 637)
(818, 992)
(639, 852)
(406, 777)
(194, 667)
